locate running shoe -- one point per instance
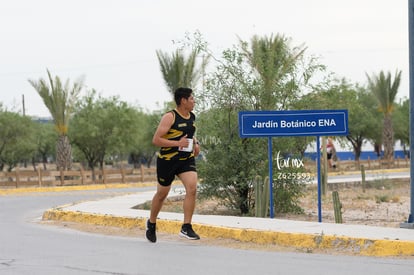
(151, 236)
(188, 232)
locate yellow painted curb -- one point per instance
(25, 190)
(298, 240)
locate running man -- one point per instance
(175, 136)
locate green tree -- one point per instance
(367, 120)
(363, 122)
(143, 151)
(103, 127)
(16, 139)
(60, 100)
(233, 163)
(385, 89)
(401, 118)
(46, 137)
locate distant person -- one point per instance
(331, 153)
(175, 136)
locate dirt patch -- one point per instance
(384, 203)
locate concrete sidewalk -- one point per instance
(356, 239)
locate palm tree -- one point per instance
(179, 71)
(60, 100)
(385, 91)
(275, 62)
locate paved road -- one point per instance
(27, 247)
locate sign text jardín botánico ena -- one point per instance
(293, 123)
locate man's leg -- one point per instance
(189, 180)
(156, 204)
(158, 200)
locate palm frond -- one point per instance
(59, 99)
(179, 70)
(385, 89)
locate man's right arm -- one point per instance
(162, 129)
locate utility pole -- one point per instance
(24, 108)
(410, 221)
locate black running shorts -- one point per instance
(168, 169)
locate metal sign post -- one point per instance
(270, 154)
(318, 146)
(292, 123)
(410, 221)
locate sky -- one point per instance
(112, 43)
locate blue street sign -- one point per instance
(293, 123)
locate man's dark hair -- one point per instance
(182, 93)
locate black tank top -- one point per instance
(180, 127)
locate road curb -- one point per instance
(358, 246)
